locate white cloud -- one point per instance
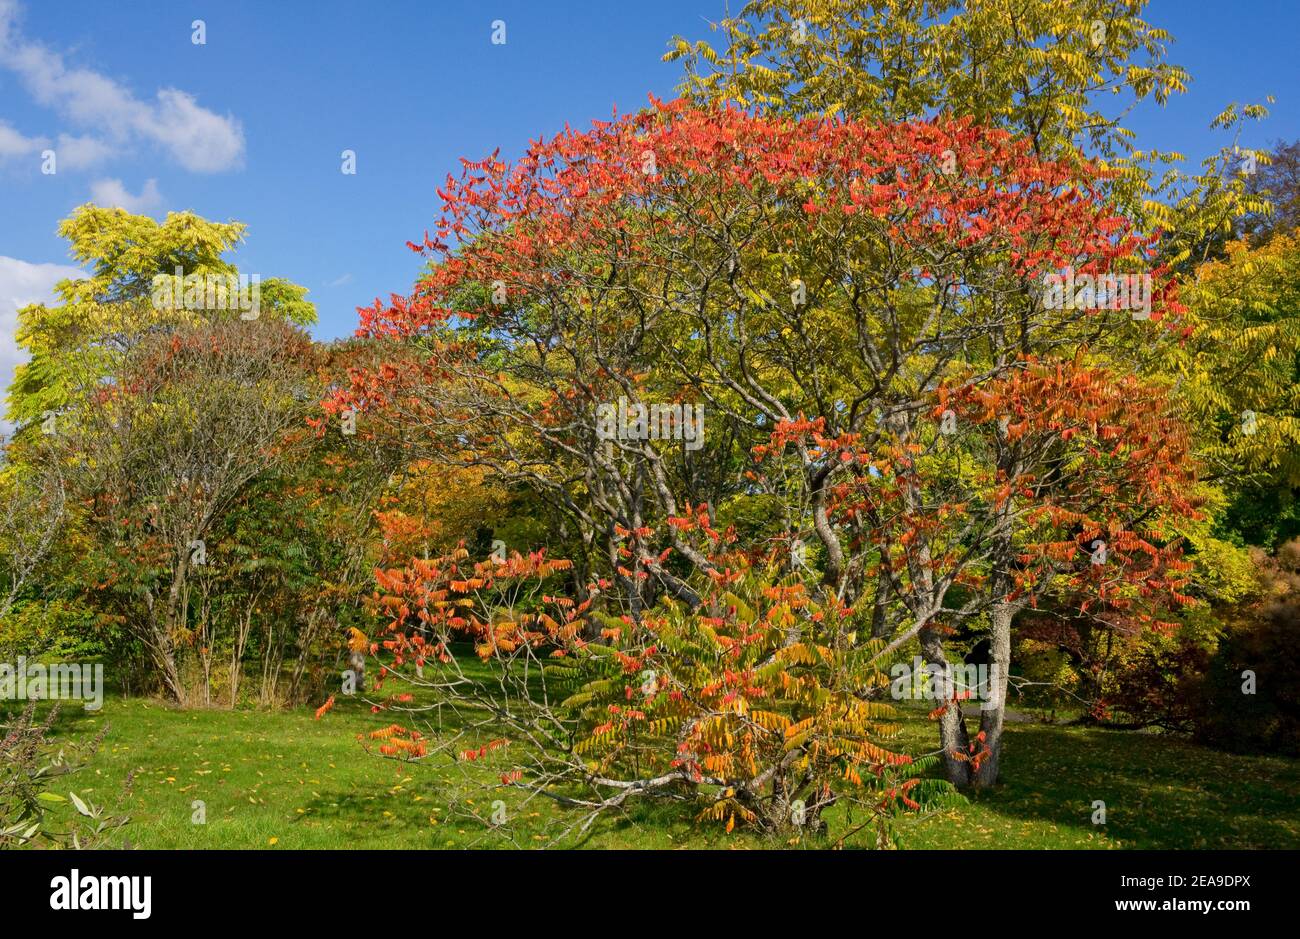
(76, 153)
(14, 145)
(199, 139)
(340, 281)
(22, 283)
(111, 192)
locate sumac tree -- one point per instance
(860, 311)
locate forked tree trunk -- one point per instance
(156, 631)
(164, 657)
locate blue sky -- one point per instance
(281, 89)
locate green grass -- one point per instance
(286, 780)
(1160, 791)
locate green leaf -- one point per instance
(81, 806)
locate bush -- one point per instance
(1252, 701)
(30, 762)
(1156, 679)
(745, 711)
(61, 628)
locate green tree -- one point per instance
(103, 314)
(159, 388)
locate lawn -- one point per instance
(287, 780)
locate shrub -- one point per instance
(1252, 700)
(1156, 679)
(752, 709)
(30, 763)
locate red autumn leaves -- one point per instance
(944, 183)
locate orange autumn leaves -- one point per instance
(399, 741)
(1113, 465)
(759, 676)
(430, 601)
(508, 223)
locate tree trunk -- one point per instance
(994, 714)
(157, 638)
(176, 616)
(165, 660)
(952, 729)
